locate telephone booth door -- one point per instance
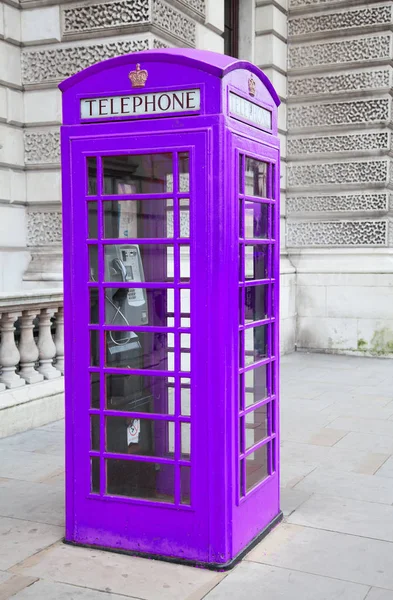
(134, 268)
(256, 195)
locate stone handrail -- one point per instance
(26, 358)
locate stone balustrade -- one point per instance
(31, 338)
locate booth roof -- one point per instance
(205, 60)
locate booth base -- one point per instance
(190, 563)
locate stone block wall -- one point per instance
(339, 198)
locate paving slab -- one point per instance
(327, 553)
(39, 502)
(36, 440)
(366, 519)
(13, 584)
(371, 442)
(252, 581)
(28, 466)
(331, 482)
(378, 594)
(291, 499)
(293, 472)
(386, 470)
(363, 425)
(50, 590)
(20, 539)
(119, 574)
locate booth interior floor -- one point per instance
(336, 541)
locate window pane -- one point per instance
(95, 432)
(257, 262)
(256, 303)
(184, 207)
(256, 384)
(185, 263)
(93, 263)
(143, 262)
(142, 350)
(94, 314)
(256, 220)
(95, 475)
(185, 485)
(138, 219)
(94, 348)
(256, 177)
(137, 174)
(185, 397)
(135, 479)
(185, 302)
(91, 176)
(256, 467)
(185, 441)
(139, 393)
(92, 220)
(145, 437)
(138, 306)
(184, 172)
(95, 390)
(256, 425)
(255, 344)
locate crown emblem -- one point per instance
(138, 77)
(251, 86)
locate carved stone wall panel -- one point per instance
(159, 44)
(39, 66)
(339, 113)
(354, 50)
(337, 233)
(174, 22)
(337, 203)
(44, 228)
(198, 6)
(338, 173)
(341, 21)
(339, 143)
(322, 3)
(353, 81)
(42, 147)
(89, 17)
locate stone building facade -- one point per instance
(330, 61)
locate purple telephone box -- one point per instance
(171, 270)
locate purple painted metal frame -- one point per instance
(228, 509)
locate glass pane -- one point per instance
(95, 390)
(185, 397)
(138, 219)
(185, 263)
(95, 475)
(256, 467)
(241, 478)
(185, 485)
(95, 432)
(184, 172)
(137, 174)
(185, 361)
(256, 303)
(257, 262)
(256, 177)
(93, 263)
(256, 384)
(256, 425)
(142, 350)
(94, 314)
(185, 302)
(185, 441)
(145, 437)
(92, 220)
(139, 393)
(138, 306)
(240, 174)
(91, 176)
(148, 480)
(143, 262)
(184, 207)
(94, 348)
(256, 220)
(255, 344)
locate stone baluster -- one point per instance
(59, 340)
(9, 353)
(28, 349)
(46, 345)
